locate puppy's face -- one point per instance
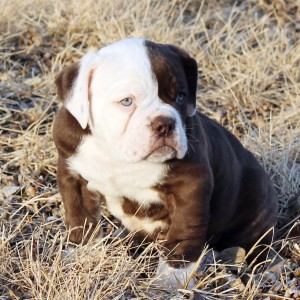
(134, 95)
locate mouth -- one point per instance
(161, 154)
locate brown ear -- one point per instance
(191, 72)
(65, 80)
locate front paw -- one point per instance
(171, 278)
(82, 234)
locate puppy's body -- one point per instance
(163, 170)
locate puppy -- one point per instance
(128, 133)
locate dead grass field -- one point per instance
(249, 80)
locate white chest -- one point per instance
(118, 180)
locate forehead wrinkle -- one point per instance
(132, 68)
(126, 70)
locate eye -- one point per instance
(180, 98)
(126, 101)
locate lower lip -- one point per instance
(167, 148)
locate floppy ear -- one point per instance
(73, 84)
(191, 72)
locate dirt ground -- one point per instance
(248, 53)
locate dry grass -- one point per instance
(249, 65)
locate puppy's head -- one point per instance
(135, 96)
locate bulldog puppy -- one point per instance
(128, 133)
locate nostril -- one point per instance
(163, 126)
(171, 126)
(160, 129)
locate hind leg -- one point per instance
(256, 245)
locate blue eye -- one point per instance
(126, 101)
(180, 98)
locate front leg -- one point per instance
(187, 233)
(82, 208)
(188, 202)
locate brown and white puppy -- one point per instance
(129, 134)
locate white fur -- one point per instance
(174, 278)
(123, 70)
(116, 180)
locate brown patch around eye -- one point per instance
(168, 71)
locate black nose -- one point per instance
(163, 126)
